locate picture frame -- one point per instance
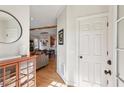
(61, 37)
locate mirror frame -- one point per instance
(19, 25)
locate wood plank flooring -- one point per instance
(47, 76)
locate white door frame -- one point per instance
(77, 38)
(115, 65)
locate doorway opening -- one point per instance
(43, 43)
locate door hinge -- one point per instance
(107, 24)
(107, 53)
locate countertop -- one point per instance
(15, 60)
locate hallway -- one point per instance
(47, 76)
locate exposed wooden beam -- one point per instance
(45, 27)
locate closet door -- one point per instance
(120, 45)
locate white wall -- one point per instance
(44, 37)
(68, 52)
(22, 14)
(61, 49)
(1, 31)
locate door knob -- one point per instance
(81, 57)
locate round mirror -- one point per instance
(10, 28)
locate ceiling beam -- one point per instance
(45, 27)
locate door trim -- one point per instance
(115, 64)
(77, 38)
(92, 16)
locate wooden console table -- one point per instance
(18, 72)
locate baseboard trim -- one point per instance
(61, 76)
(68, 83)
(71, 83)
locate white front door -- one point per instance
(92, 50)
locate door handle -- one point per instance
(81, 57)
(107, 72)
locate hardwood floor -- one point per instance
(47, 76)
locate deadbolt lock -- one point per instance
(109, 62)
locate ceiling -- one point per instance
(37, 33)
(44, 15)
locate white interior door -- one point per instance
(92, 50)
